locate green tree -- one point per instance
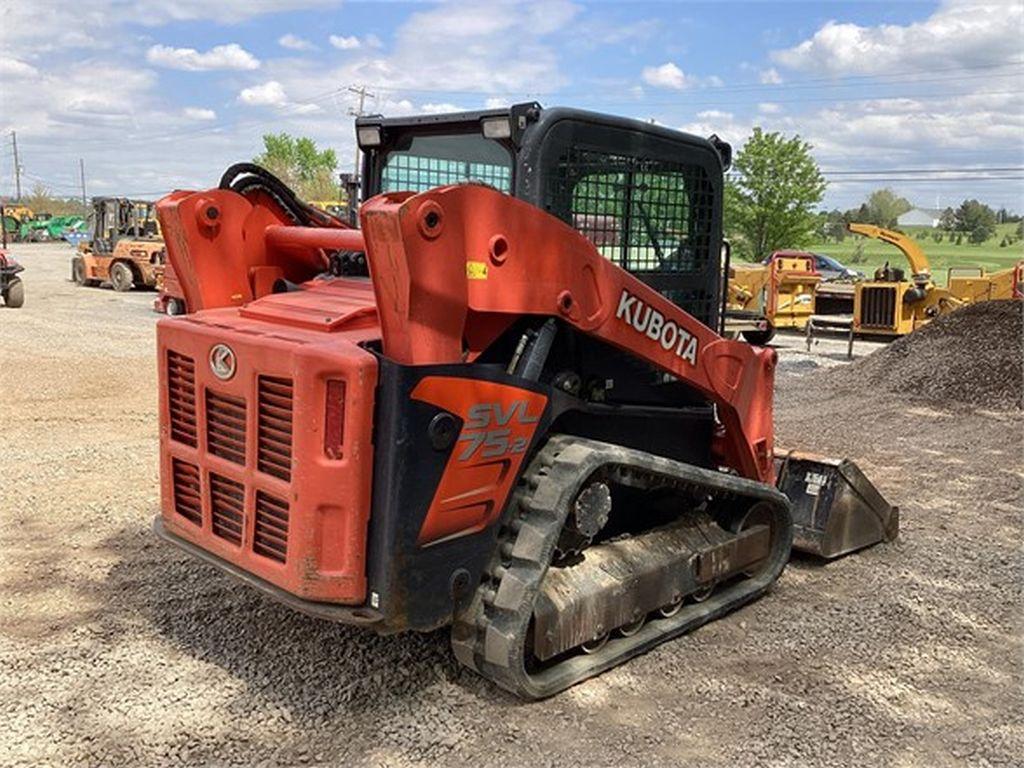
(977, 219)
(298, 162)
(1020, 228)
(947, 221)
(40, 201)
(884, 207)
(769, 204)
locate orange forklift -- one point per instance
(125, 248)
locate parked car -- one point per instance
(828, 267)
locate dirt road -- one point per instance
(116, 649)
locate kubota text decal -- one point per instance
(650, 322)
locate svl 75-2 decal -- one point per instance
(498, 425)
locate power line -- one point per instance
(922, 170)
(919, 180)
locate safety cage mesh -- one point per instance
(652, 217)
(417, 173)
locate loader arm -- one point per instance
(454, 267)
(919, 265)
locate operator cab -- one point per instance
(647, 197)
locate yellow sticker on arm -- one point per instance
(476, 270)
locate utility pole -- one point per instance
(17, 167)
(81, 172)
(362, 93)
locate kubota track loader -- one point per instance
(500, 405)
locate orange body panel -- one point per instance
(327, 499)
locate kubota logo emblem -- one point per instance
(222, 361)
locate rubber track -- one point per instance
(490, 635)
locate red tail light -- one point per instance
(334, 419)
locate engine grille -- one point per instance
(181, 397)
(185, 478)
(240, 497)
(878, 307)
(274, 426)
(225, 427)
(270, 537)
(227, 505)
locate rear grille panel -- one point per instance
(187, 492)
(225, 426)
(274, 426)
(270, 534)
(231, 459)
(227, 508)
(878, 307)
(181, 398)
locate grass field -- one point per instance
(867, 255)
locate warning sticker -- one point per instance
(815, 481)
(476, 270)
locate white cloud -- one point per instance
(440, 109)
(199, 113)
(268, 94)
(769, 108)
(724, 124)
(342, 43)
(496, 102)
(16, 68)
(959, 33)
(372, 41)
(295, 43)
(231, 56)
(769, 76)
(668, 75)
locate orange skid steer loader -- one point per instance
(467, 413)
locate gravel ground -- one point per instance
(115, 649)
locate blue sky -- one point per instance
(155, 95)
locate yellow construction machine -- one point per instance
(981, 285)
(892, 303)
(780, 294)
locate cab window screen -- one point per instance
(646, 215)
(435, 161)
(653, 217)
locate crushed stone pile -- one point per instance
(973, 356)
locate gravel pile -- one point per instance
(119, 650)
(973, 356)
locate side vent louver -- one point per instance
(225, 426)
(270, 537)
(227, 502)
(181, 397)
(186, 491)
(274, 432)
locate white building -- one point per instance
(920, 217)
